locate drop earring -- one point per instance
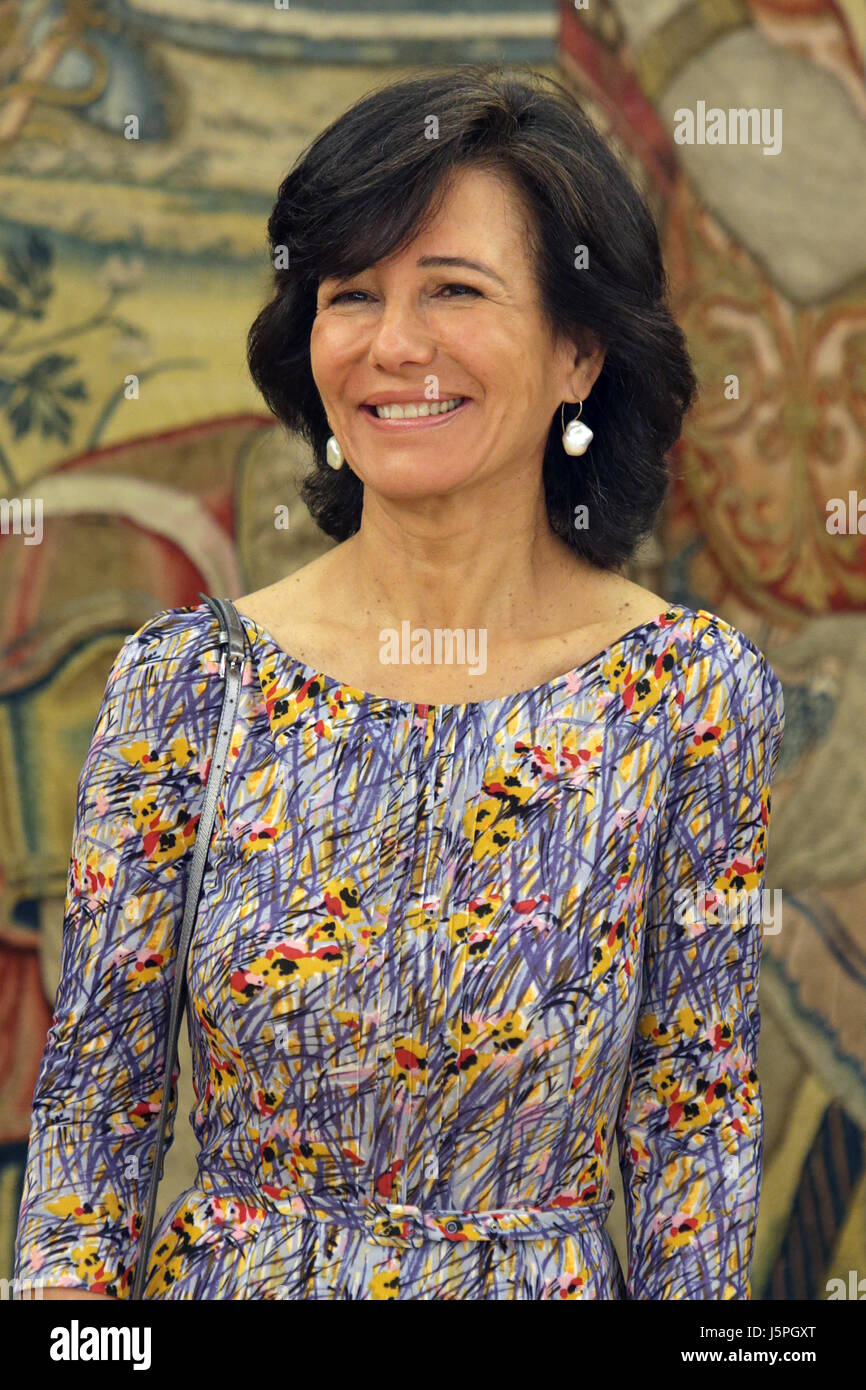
(333, 453)
(576, 436)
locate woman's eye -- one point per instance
(347, 294)
(470, 288)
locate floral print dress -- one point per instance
(445, 956)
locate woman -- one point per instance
(463, 920)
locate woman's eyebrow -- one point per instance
(429, 261)
(461, 261)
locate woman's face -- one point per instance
(413, 329)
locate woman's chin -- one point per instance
(406, 478)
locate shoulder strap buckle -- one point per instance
(231, 633)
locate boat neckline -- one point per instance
(371, 698)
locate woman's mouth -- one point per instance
(414, 415)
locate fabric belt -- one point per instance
(402, 1225)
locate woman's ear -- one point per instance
(588, 362)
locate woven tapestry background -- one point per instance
(141, 145)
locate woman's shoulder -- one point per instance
(174, 638)
(167, 664)
(719, 648)
(173, 632)
(725, 669)
(703, 648)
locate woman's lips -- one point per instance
(423, 422)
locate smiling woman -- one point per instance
(507, 185)
(439, 963)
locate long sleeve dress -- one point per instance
(444, 954)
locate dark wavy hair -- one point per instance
(371, 180)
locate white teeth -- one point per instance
(413, 409)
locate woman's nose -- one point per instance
(400, 334)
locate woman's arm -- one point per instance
(690, 1124)
(100, 1083)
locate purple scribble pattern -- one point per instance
(435, 971)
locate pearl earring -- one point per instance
(576, 436)
(333, 453)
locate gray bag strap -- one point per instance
(231, 638)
